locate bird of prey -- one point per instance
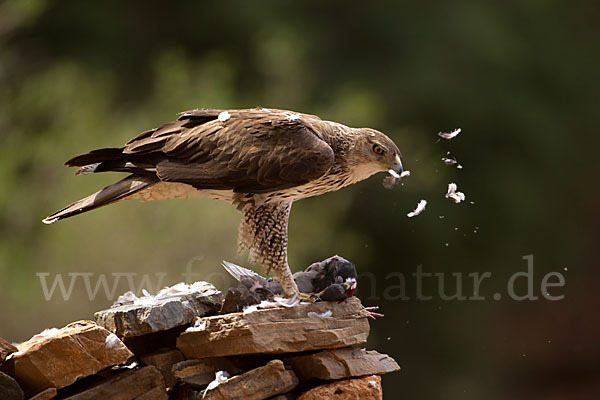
(333, 279)
(260, 160)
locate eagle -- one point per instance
(260, 160)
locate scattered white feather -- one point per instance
(395, 175)
(15, 354)
(351, 282)
(325, 314)
(393, 178)
(170, 291)
(220, 377)
(251, 309)
(224, 116)
(199, 326)
(46, 333)
(451, 135)
(420, 208)
(277, 302)
(182, 288)
(288, 302)
(112, 342)
(451, 161)
(453, 195)
(373, 383)
(293, 117)
(132, 365)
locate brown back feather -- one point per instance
(254, 151)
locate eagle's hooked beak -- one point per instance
(398, 165)
(396, 169)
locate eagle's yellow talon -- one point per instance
(308, 297)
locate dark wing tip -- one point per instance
(96, 156)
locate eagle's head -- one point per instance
(373, 152)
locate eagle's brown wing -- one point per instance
(252, 151)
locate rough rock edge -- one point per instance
(160, 313)
(276, 331)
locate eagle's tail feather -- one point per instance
(110, 194)
(113, 159)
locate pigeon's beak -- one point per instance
(397, 167)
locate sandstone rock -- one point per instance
(9, 388)
(5, 349)
(58, 357)
(342, 363)
(171, 307)
(256, 384)
(141, 384)
(278, 330)
(47, 394)
(156, 393)
(367, 388)
(199, 373)
(164, 360)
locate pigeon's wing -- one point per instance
(240, 273)
(335, 292)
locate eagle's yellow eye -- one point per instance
(377, 149)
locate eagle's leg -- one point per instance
(284, 276)
(263, 231)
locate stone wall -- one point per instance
(180, 345)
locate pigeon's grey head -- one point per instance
(345, 273)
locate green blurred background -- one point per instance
(519, 77)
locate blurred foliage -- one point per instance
(519, 77)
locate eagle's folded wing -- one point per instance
(248, 151)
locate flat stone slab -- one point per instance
(367, 388)
(144, 383)
(342, 363)
(171, 307)
(58, 357)
(257, 384)
(304, 327)
(199, 373)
